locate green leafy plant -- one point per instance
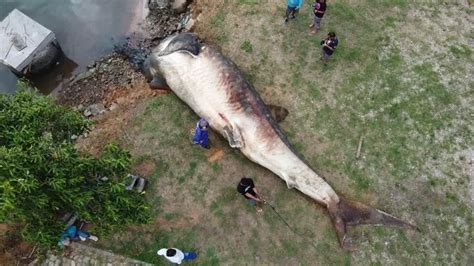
(43, 176)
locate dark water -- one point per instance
(85, 30)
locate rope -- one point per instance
(287, 225)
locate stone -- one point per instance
(199, 17)
(113, 106)
(179, 6)
(81, 76)
(87, 113)
(190, 24)
(94, 110)
(159, 4)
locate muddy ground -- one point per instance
(400, 80)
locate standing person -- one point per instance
(319, 9)
(175, 255)
(292, 7)
(329, 46)
(201, 136)
(247, 188)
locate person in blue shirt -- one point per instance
(201, 136)
(292, 8)
(329, 46)
(72, 233)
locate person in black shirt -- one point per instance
(319, 9)
(247, 188)
(329, 46)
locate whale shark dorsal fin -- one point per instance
(279, 113)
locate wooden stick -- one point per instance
(31, 253)
(359, 147)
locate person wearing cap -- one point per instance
(201, 135)
(175, 255)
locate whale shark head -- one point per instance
(182, 42)
(186, 43)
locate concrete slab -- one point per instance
(16, 31)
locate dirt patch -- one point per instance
(192, 218)
(145, 168)
(14, 251)
(110, 126)
(215, 155)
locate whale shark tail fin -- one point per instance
(348, 213)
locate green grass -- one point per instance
(411, 106)
(247, 46)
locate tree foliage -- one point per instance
(43, 176)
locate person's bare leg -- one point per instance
(258, 208)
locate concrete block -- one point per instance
(21, 38)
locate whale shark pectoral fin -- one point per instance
(234, 137)
(279, 113)
(159, 83)
(291, 182)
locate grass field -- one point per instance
(401, 79)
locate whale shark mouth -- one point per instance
(183, 42)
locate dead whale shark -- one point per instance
(214, 87)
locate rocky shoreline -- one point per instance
(94, 90)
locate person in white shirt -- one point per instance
(175, 255)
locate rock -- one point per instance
(78, 108)
(199, 17)
(74, 137)
(87, 113)
(190, 24)
(82, 76)
(94, 109)
(179, 6)
(158, 4)
(113, 106)
(44, 59)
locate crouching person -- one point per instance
(175, 255)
